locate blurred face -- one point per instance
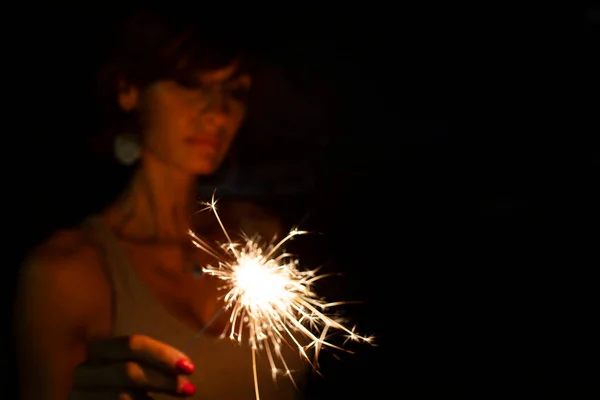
(191, 124)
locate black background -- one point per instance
(454, 176)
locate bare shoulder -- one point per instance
(65, 275)
(66, 252)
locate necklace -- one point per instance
(196, 269)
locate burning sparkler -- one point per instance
(272, 300)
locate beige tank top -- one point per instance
(223, 370)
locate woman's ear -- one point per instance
(127, 96)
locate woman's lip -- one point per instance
(201, 141)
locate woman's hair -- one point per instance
(158, 44)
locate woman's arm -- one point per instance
(57, 298)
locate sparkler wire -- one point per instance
(204, 329)
(270, 296)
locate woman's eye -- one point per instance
(239, 92)
(189, 83)
(239, 88)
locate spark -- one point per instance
(272, 301)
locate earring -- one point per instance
(127, 149)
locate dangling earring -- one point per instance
(127, 149)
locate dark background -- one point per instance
(472, 249)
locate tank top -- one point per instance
(223, 369)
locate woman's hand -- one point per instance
(130, 368)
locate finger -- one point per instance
(129, 376)
(78, 395)
(142, 349)
(134, 396)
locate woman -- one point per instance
(105, 311)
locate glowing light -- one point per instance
(272, 300)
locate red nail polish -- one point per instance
(185, 366)
(187, 389)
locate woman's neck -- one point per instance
(158, 205)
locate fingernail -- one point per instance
(185, 366)
(187, 389)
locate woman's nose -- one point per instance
(216, 103)
(215, 110)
